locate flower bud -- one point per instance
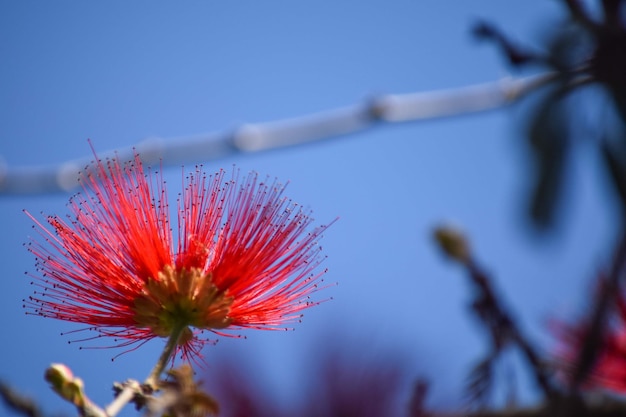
(64, 383)
(453, 243)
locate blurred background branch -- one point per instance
(248, 138)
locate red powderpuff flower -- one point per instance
(245, 257)
(609, 368)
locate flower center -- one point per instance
(181, 298)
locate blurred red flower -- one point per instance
(609, 367)
(337, 381)
(245, 256)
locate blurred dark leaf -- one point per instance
(549, 138)
(585, 49)
(614, 155)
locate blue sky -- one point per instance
(119, 72)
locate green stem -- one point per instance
(166, 355)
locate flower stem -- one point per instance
(166, 355)
(133, 387)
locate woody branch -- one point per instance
(312, 128)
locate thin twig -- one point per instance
(18, 402)
(503, 324)
(503, 329)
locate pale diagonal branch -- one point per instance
(311, 128)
